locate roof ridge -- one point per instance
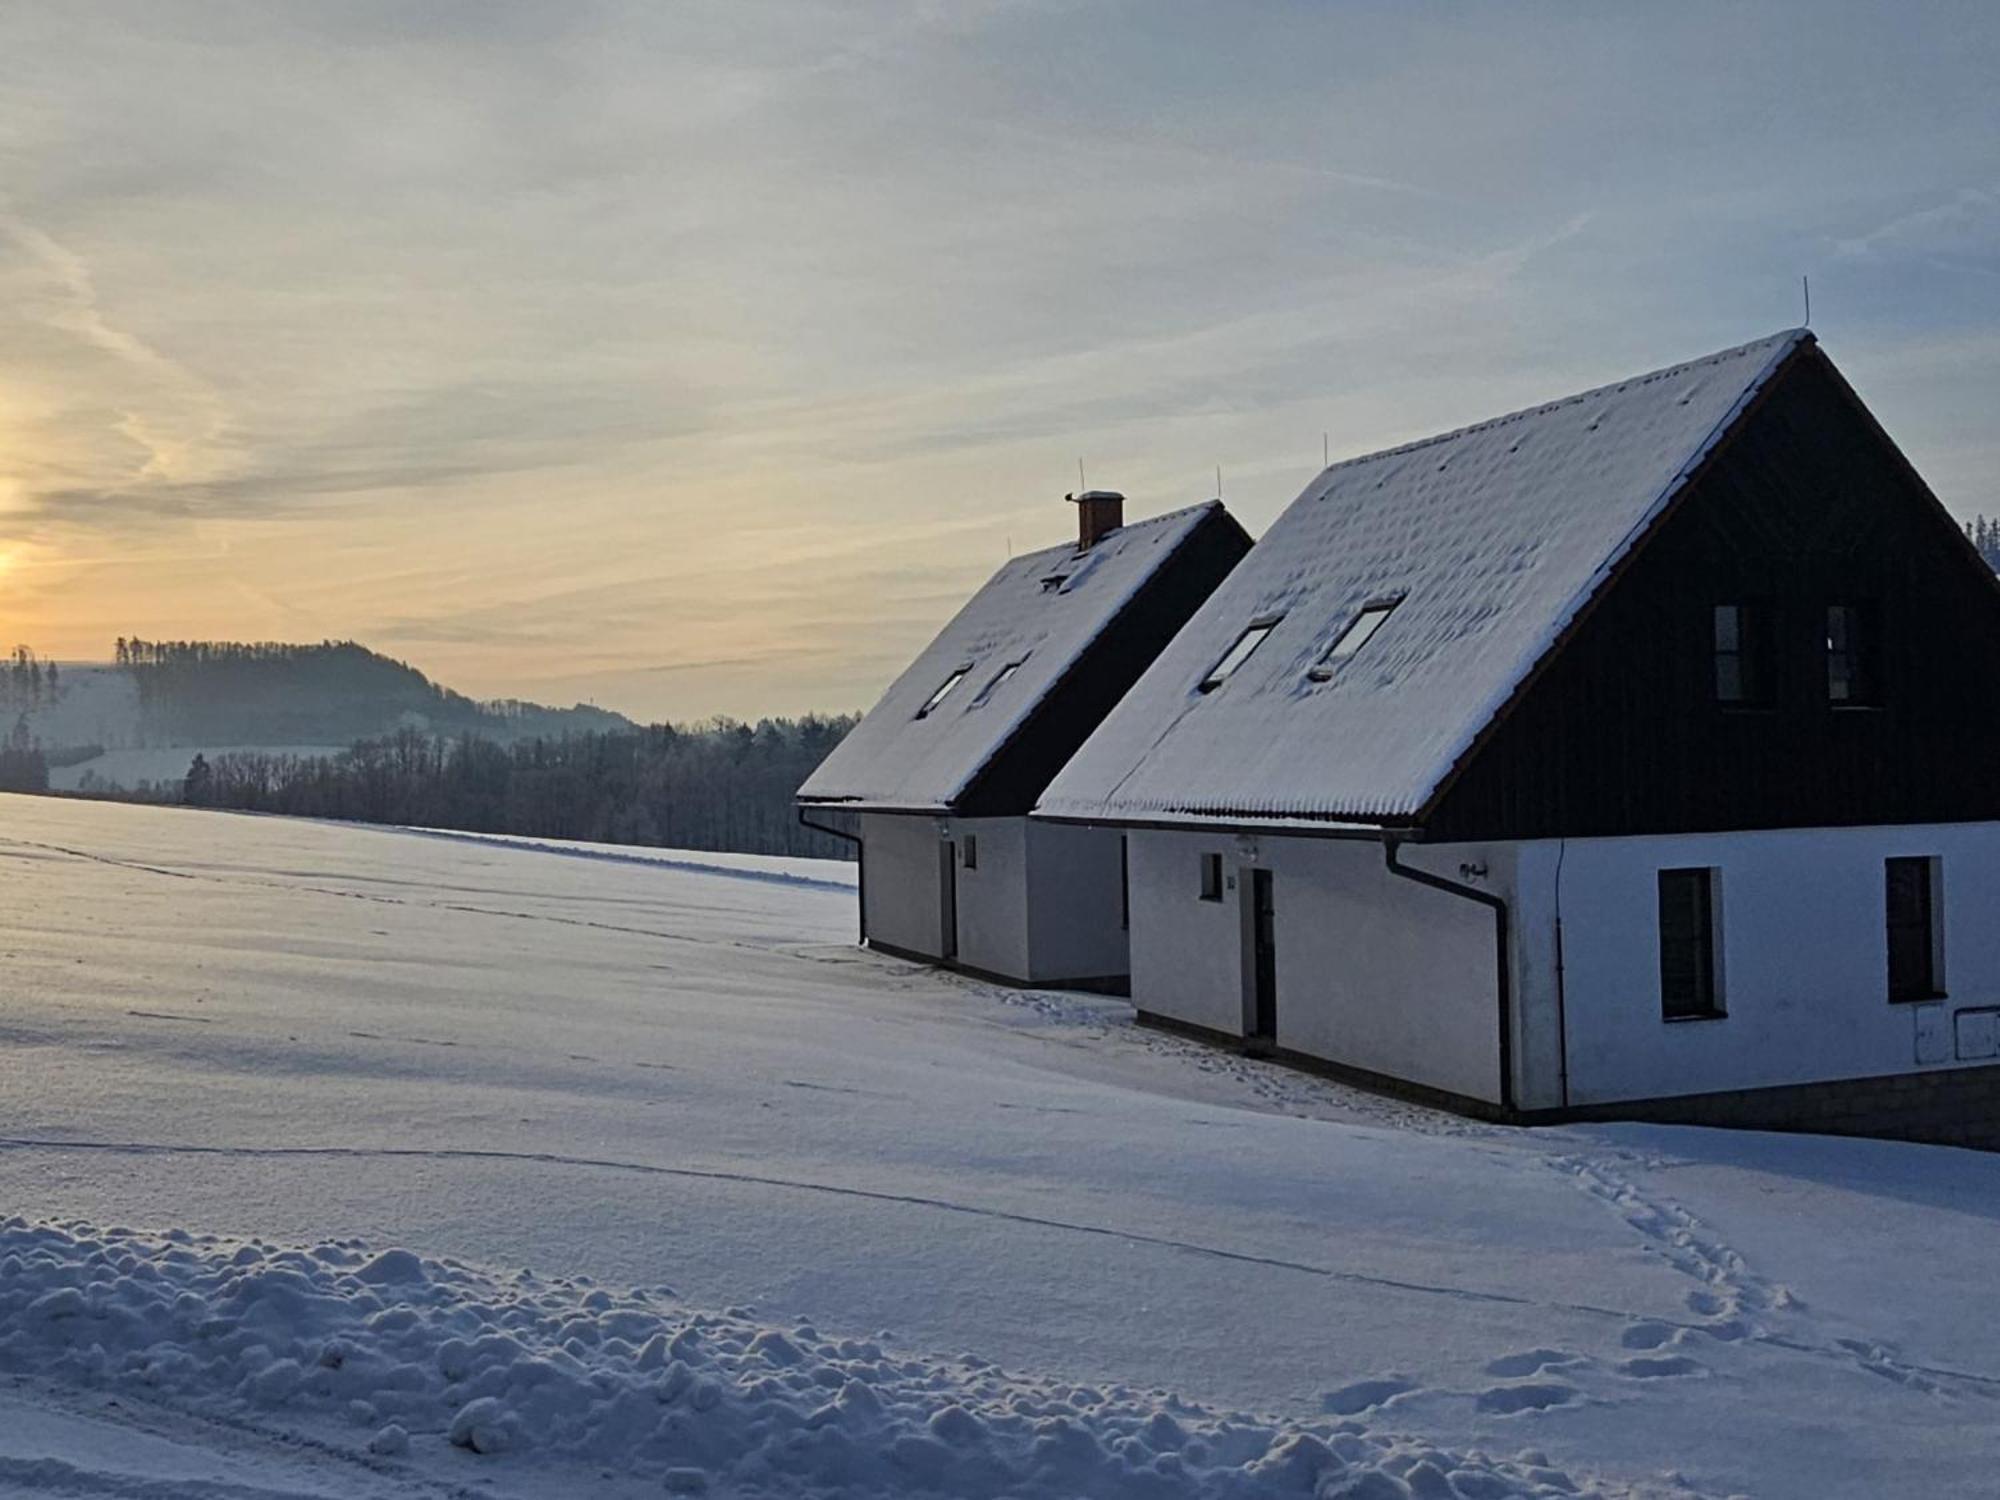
(1165, 515)
(1788, 336)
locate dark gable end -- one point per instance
(1104, 672)
(1805, 504)
(1026, 669)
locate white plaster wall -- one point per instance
(1803, 958)
(993, 898)
(901, 895)
(1374, 971)
(1042, 906)
(1187, 954)
(1075, 904)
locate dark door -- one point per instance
(948, 900)
(1264, 953)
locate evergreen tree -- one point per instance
(198, 787)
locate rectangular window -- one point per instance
(1239, 653)
(992, 683)
(1360, 630)
(1852, 680)
(943, 692)
(1910, 904)
(1743, 655)
(1211, 877)
(968, 849)
(1687, 945)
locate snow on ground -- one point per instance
(783, 869)
(633, 1174)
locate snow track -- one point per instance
(1731, 1302)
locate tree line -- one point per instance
(1985, 534)
(722, 785)
(27, 682)
(24, 765)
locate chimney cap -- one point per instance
(1085, 495)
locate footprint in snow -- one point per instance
(1507, 1400)
(1646, 1335)
(1350, 1400)
(1532, 1361)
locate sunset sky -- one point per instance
(701, 358)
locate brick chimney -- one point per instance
(1098, 514)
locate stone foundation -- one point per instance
(1948, 1106)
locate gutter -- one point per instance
(1503, 975)
(1327, 829)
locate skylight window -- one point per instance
(943, 692)
(1239, 653)
(997, 679)
(1357, 634)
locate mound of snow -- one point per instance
(432, 1353)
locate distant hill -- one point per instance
(163, 694)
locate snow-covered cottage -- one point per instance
(937, 780)
(1636, 754)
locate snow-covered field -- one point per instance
(347, 1161)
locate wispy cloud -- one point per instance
(703, 356)
(1967, 221)
(178, 420)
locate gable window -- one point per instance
(968, 851)
(1360, 630)
(993, 683)
(1852, 680)
(943, 692)
(1688, 990)
(1743, 655)
(1239, 653)
(1211, 877)
(1909, 888)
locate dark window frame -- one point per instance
(1690, 947)
(1743, 655)
(1360, 629)
(1910, 892)
(1852, 659)
(998, 680)
(944, 690)
(968, 851)
(1211, 877)
(1231, 661)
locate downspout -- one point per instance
(1562, 992)
(1503, 977)
(860, 866)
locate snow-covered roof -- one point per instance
(1486, 541)
(1036, 615)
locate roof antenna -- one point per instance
(1218, 481)
(1806, 283)
(1325, 451)
(1080, 485)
